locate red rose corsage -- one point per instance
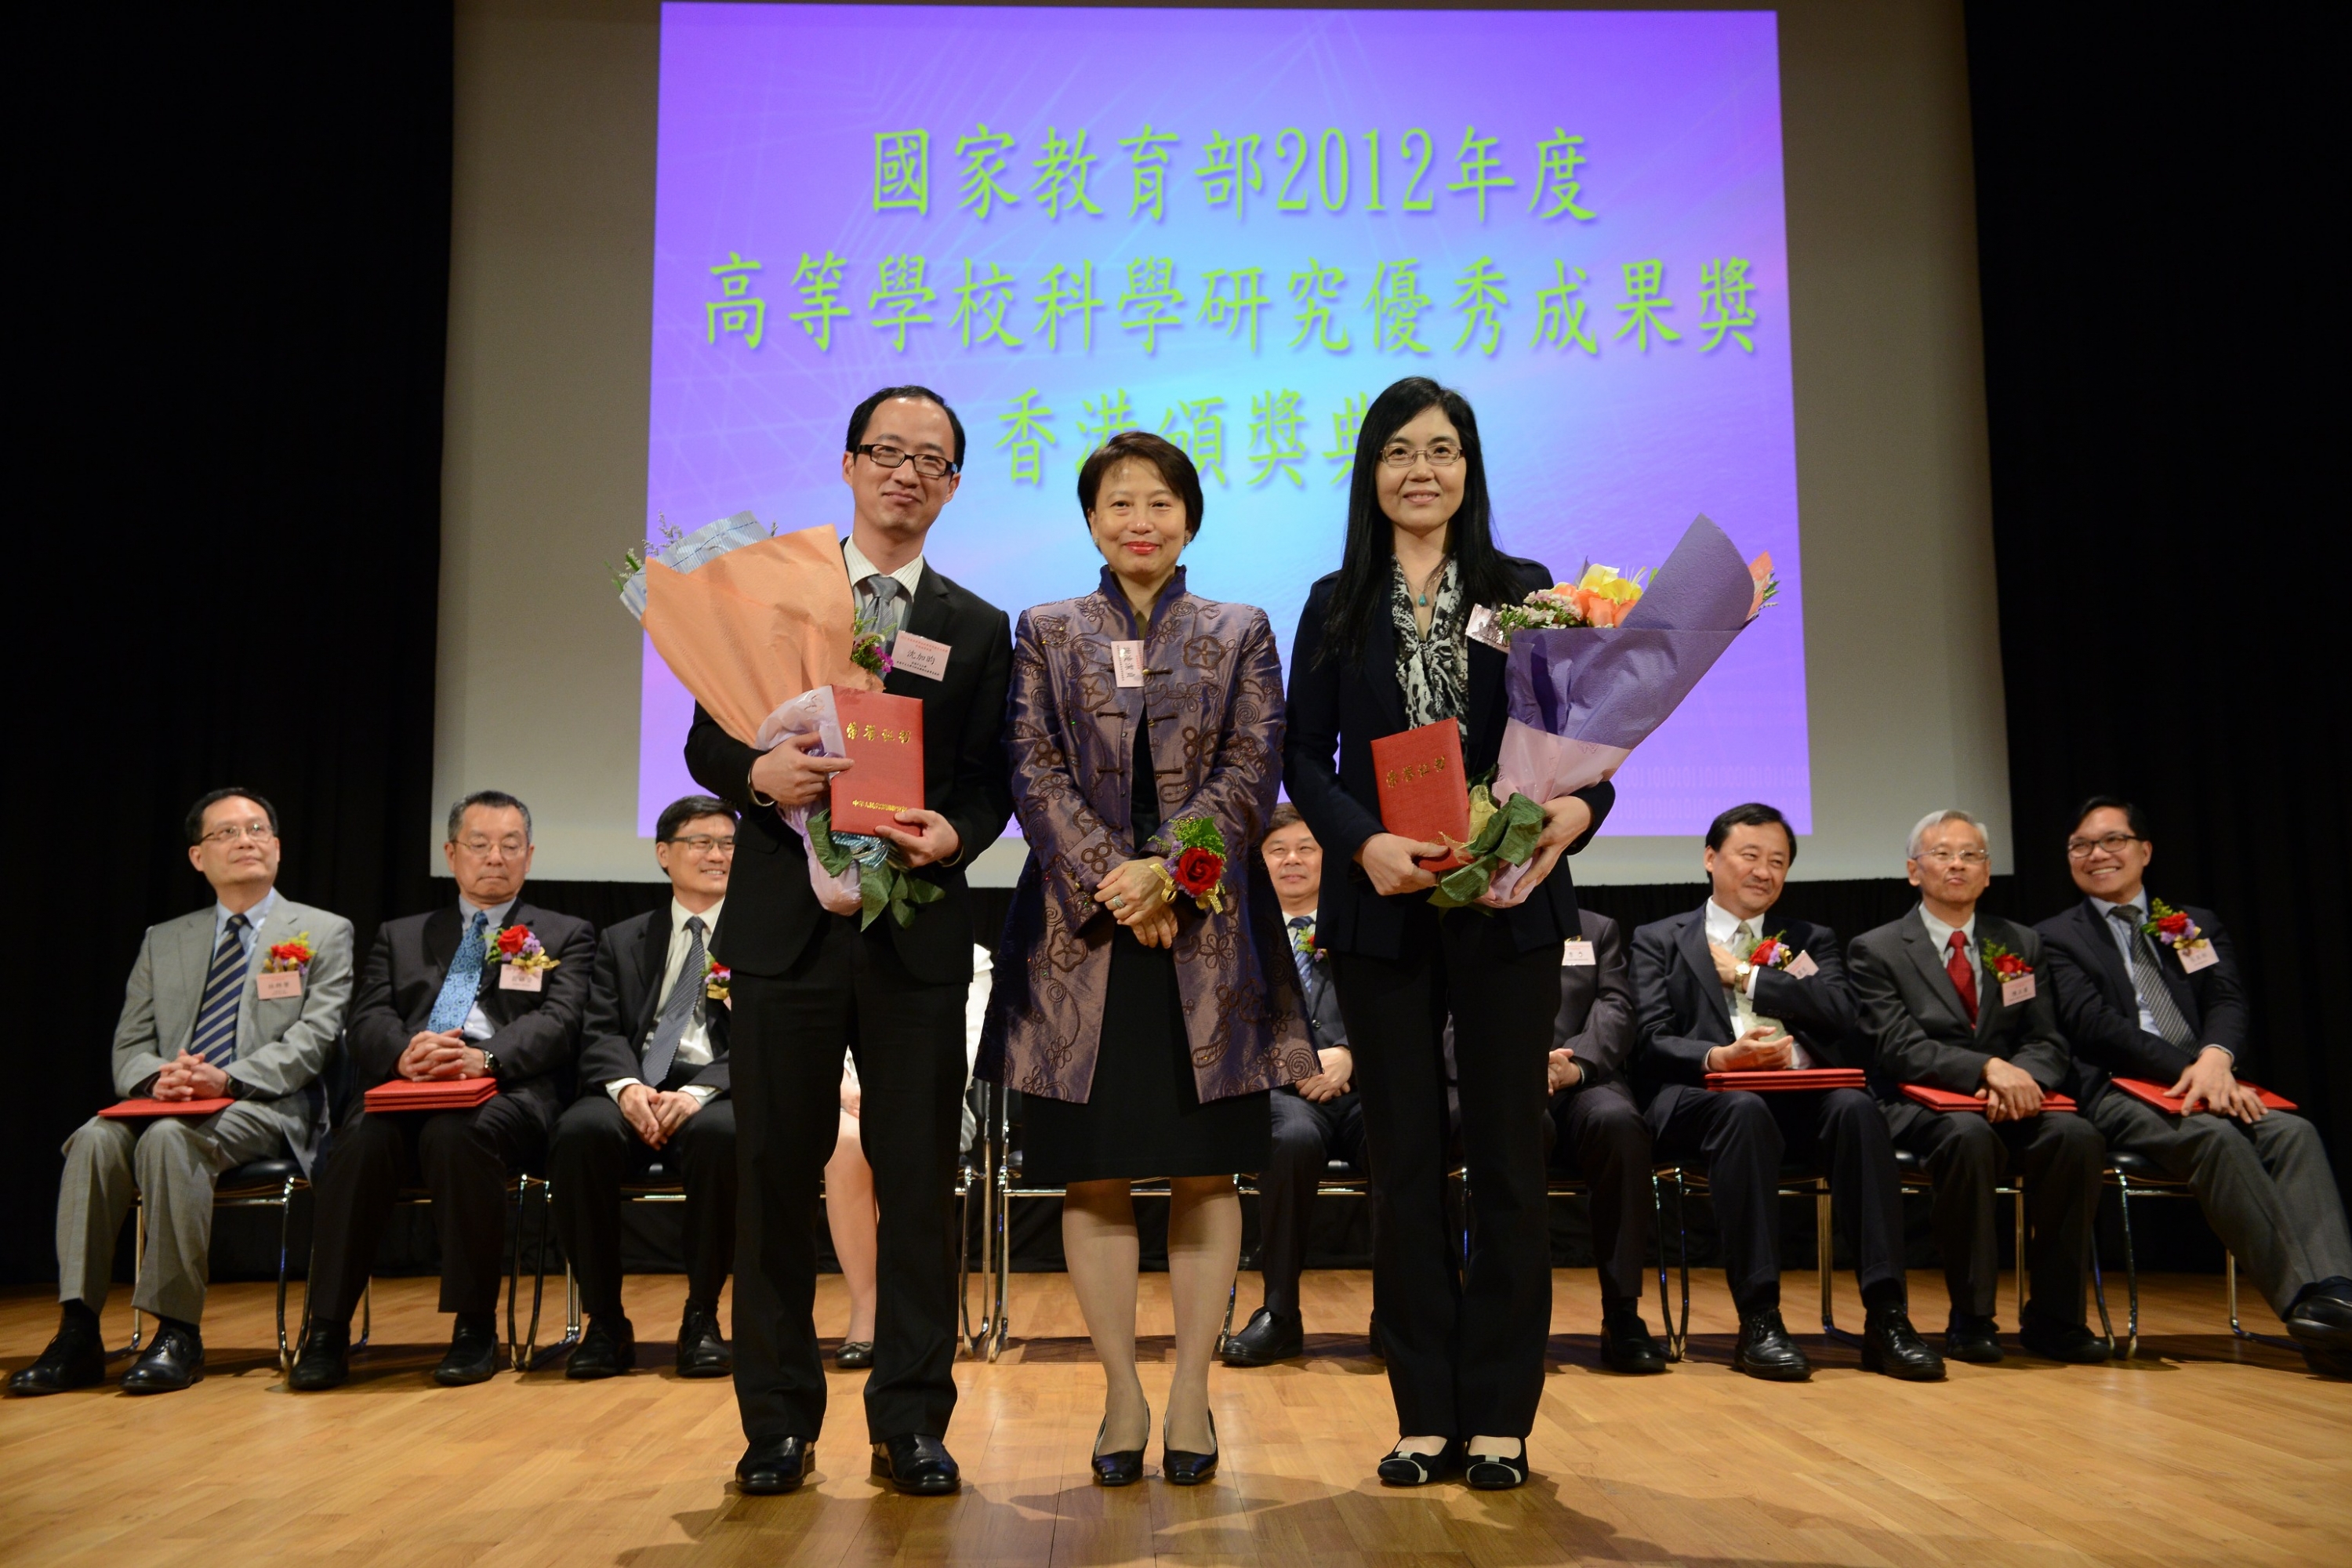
(715, 980)
(520, 947)
(1773, 953)
(289, 957)
(2003, 962)
(1198, 866)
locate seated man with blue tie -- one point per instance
(240, 1002)
(1595, 1129)
(1956, 999)
(1315, 1121)
(2167, 1006)
(441, 997)
(653, 1087)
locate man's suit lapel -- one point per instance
(2112, 975)
(1991, 1007)
(1692, 945)
(187, 951)
(1931, 966)
(652, 956)
(930, 616)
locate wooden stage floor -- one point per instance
(2209, 1450)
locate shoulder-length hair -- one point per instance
(1362, 594)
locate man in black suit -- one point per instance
(2173, 1013)
(1955, 1000)
(1710, 997)
(653, 1087)
(1315, 1121)
(807, 984)
(1596, 1129)
(439, 997)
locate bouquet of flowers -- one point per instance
(1583, 692)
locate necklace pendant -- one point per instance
(1422, 601)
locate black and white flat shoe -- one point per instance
(1495, 1473)
(1402, 1469)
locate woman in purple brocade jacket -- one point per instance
(1141, 1027)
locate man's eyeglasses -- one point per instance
(705, 844)
(254, 830)
(513, 843)
(1440, 453)
(931, 465)
(1953, 858)
(2113, 843)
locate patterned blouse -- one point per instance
(1433, 671)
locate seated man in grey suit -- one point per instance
(1315, 1121)
(210, 1012)
(1596, 1129)
(1959, 1000)
(2173, 1013)
(440, 998)
(653, 1086)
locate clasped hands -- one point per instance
(1764, 1049)
(794, 779)
(1138, 898)
(1336, 1068)
(189, 1077)
(2009, 1092)
(656, 1115)
(439, 1054)
(1392, 861)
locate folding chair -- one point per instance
(255, 1185)
(2137, 1176)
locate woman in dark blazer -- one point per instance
(1142, 1025)
(1382, 648)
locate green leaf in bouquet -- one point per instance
(1509, 838)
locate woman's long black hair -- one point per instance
(1365, 574)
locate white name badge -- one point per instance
(1482, 628)
(512, 978)
(2020, 989)
(2204, 955)
(1577, 954)
(1127, 662)
(1801, 967)
(919, 655)
(278, 985)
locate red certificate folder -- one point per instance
(2139, 1088)
(1946, 1099)
(1787, 1081)
(1423, 793)
(133, 1109)
(432, 1094)
(884, 736)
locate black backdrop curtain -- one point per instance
(235, 255)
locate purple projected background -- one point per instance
(787, 139)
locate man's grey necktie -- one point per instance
(677, 1008)
(1304, 959)
(215, 1037)
(2148, 981)
(885, 607)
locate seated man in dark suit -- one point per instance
(238, 1001)
(440, 999)
(2169, 1007)
(1957, 1000)
(1704, 1003)
(653, 1086)
(1597, 1131)
(1315, 1121)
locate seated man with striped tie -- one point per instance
(653, 1087)
(2174, 1014)
(441, 998)
(198, 1023)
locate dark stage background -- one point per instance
(242, 562)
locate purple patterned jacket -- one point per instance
(1212, 685)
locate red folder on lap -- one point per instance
(1946, 1099)
(2148, 1093)
(1424, 796)
(132, 1109)
(1785, 1081)
(433, 1094)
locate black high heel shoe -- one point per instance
(1183, 1467)
(1494, 1473)
(1399, 1468)
(1121, 1469)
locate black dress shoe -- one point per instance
(1399, 1468)
(1972, 1339)
(1182, 1467)
(918, 1464)
(1121, 1467)
(854, 1355)
(1495, 1472)
(1266, 1339)
(473, 1353)
(1891, 1345)
(2322, 1323)
(771, 1466)
(74, 1359)
(326, 1358)
(1766, 1351)
(701, 1353)
(171, 1360)
(1626, 1345)
(2064, 1342)
(605, 1349)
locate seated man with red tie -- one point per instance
(2154, 994)
(237, 1003)
(1958, 1000)
(653, 1086)
(441, 997)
